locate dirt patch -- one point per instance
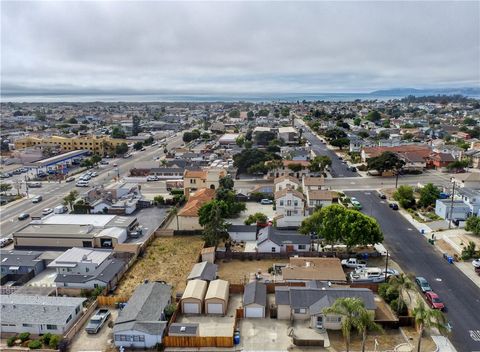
(238, 271)
(427, 343)
(444, 246)
(167, 258)
(386, 341)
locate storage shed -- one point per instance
(216, 299)
(192, 299)
(255, 300)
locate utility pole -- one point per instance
(396, 178)
(451, 206)
(386, 267)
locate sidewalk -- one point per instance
(443, 344)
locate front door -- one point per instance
(319, 324)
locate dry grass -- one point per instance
(167, 258)
(237, 271)
(386, 341)
(427, 343)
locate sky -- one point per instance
(237, 47)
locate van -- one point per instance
(82, 183)
(60, 209)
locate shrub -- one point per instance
(46, 338)
(176, 192)
(11, 341)
(403, 308)
(170, 309)
(388, 292)
(35, 344)
(24, 336)
(54, 341)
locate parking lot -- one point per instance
(84, 342)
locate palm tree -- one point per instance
(349, 309)
(402, 283)
(364, 322)
(426, 318)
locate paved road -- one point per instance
(416, 256)
(338, 169)
(53, 193)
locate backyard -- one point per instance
(238, 271)
(168, 259)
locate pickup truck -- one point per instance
(97, 321)
(354, 263)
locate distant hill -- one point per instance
(467, 91)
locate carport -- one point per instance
(192, 299)
(216, 299)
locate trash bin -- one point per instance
(236, 338)
(450, 260)
(422, 231)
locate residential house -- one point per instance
(319, 198)
(439, 160)
(228, 139)
(468, 180)
(308, 303)
(288, 134)
(244, 233)
(20, 266)
(203, 271)
(142, 323)
(87, 268)
(290, 208)
(286, 169)
(187, 217)
(271, 240)
(474, 156)
(39, 315)
(415, 151)
(312, 183)
(197, 179)
(303, 269)
(284, 182)
(447, 209)
(454, 150)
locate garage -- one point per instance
(254, 312)
(255, 300)
(191, 308)
(193, 297)
(216, 299)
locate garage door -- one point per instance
(253, 312)
(191, 308)
(214, 308)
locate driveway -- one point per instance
(413, 253)
(264, 335)
(84, 342)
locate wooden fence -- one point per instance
(198, 341)
(111, 300)
(276, 255)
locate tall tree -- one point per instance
(402, 283)
(387, 161)
(349, 309)
(212, 218)
(319, 163)
(70, 199)
(428, 195)
(404, 195)
(360, 229)
(365, 322)
(426, 318)
(5, 187)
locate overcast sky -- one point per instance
(238, 47)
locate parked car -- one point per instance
(104, 162)
(47, 211)
(97, 321)
(394, 206)
(434, 301)
(266, 201)
(5, 241)
(423, 284)
(37, 199)
(34, 185)
(93, 174)
(476, 263)
(115, 164)
(356, 204)
(70, 179)
(152, 178)
(23, 216)
(60, 209)
(382, 195)
(390, 272)
(353, 169)
(354, 263)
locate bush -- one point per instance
(46, 338)
(54, 341)
(388, 292)
(170, 309)
(35, 344)
(24, 336)
(11, 341)
(403, 308)
(176, 191)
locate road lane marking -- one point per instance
(475, 335)
(438, 279)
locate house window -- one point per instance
(281, 202)
(77, 309)
(295, 202)
(87, 270)
(289, 213)
(300, 310)
(142, 338)
(302, 246)
(69, 318)
(51, 327)
(289, 202)
(27, 325)
(295, 212)
(274, 249)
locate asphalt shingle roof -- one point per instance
(255, 293)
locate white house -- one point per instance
(284, 182)
(141, 324)
(241, 233)
(39, 314)
(288, 134)
(290, 208)
(319, 198)
(271, 240)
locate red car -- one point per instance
(434, 301)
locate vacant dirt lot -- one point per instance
(237, 271)
(386, 341)
(167, 258)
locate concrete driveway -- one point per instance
(84, 342)
(264, 335)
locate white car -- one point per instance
(94, 174)
(152, 178)
(47, 211)
(476, 263)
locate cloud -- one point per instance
(220, 47)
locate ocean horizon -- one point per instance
(200, 98)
